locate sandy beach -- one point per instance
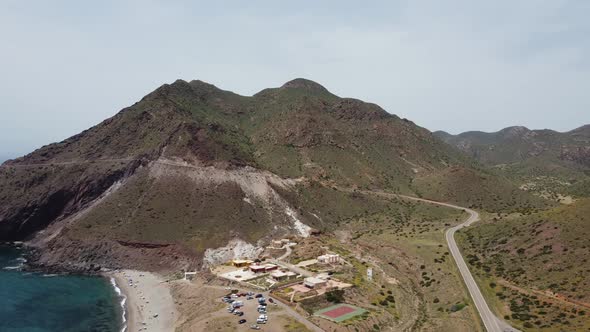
(149, 304)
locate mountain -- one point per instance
(191, 168)
(540, 160)
(518, 144)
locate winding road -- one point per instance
(490, 321)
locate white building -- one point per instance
(280, 275)
(313, 282)
(189, 275)
(329, 259)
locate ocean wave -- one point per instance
(17, 267)
(123, 301)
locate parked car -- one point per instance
(241, 321)
(259, 295)
(236, 312)
(240, 314)
(255, 327)
(271, 300)
(249, 297)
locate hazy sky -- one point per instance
(451, 65)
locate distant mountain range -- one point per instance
(539, 160)
(517, 144)
(192, 167)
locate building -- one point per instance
(189, 275)
(283, 275)
(257, 268)
(270, 267)
(329, 259)
(241, 262)
(313, 282)
(263, 268)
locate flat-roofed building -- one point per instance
(259, 268)
(329, 259)
(242, 262)
(313, 282)
(283, 275)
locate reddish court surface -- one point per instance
(340, 311)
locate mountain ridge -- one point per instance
(191, 167)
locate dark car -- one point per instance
(258, 295)
(240, 314)
(241, 321)
(271, 300)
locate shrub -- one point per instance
(335, 296)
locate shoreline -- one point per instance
(146, 299)
(122, 303)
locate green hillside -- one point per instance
(545, 162)
(538, 264)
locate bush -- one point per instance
(335, 296)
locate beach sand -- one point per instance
(149, 304)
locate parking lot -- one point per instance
(252, 309)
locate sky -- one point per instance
(446, 65)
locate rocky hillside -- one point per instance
(191, 168)
(539, 160)
(538, 264)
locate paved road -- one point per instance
(490, 321)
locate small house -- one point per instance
(283, 275)
(241, 262)
(329, 259)
(313, 282)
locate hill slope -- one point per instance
(545, 161)
(541, 261)
(191, 167)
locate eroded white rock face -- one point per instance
(235, 248)
(255, 184)
(301, 228)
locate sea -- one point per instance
(38, 302)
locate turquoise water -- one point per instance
(33, 302)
